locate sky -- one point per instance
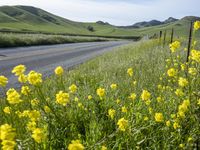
(116, 12)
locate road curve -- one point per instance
(45, 58)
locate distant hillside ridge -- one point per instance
(151, 23)
(29, 19)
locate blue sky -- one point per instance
(117, 12)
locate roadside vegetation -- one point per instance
(17, 39)
(141, 96)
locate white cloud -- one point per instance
(116, 12)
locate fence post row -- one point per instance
(172, 38)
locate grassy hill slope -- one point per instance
(31, 19)
(26, 18)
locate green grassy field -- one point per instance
(17, 39)
(140, 96)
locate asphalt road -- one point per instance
(44, 59)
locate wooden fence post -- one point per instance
(160, 35)
(172, 35)
(165, 33)
(189, 41)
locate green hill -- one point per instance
(31, 19)
(26, 18)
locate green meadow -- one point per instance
(136, 97)
(144, 95)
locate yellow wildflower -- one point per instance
(148, 102)
(190, 139)
(192, 71)
(22, 78)
(113, 86)
(31, 125)
(47, 109)
(76, 99)
(59, 71)
(118, 101)
(34, 115)
(80, 105)
(159, 117)
(195, 55)
(183, 67)
(34, 102)
(7, 110)
(34, 78)
(130, 72)
(100, 92)
(182, 82)
(179, 92)
(111, 113)
(150, 110)
(173, 116)
(134, 82)
(159, 87)
(7, 137)
(73, 88)
(198, 102)
(62, 98)
(18, 70)
(89, 97)
(184, 106)
(146, 118)
(13, 97)
(181, 145)
(159, 99)
(176, 125)
(172, 72)
(145, 95)
(132, 96)
(168, 123)
(25, 113)
(103, 148)
(3, 81)
(8, 145)
(196, 25)
(19, 114)
(76, 145)
(7, 132)
(122, 123)
(25, 90)
(181, 114)
(38, 135)
(186, 102)
(173, 46)
(124, 109)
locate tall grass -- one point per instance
(17, 39)
(88, 121)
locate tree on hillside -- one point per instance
(90, 28)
